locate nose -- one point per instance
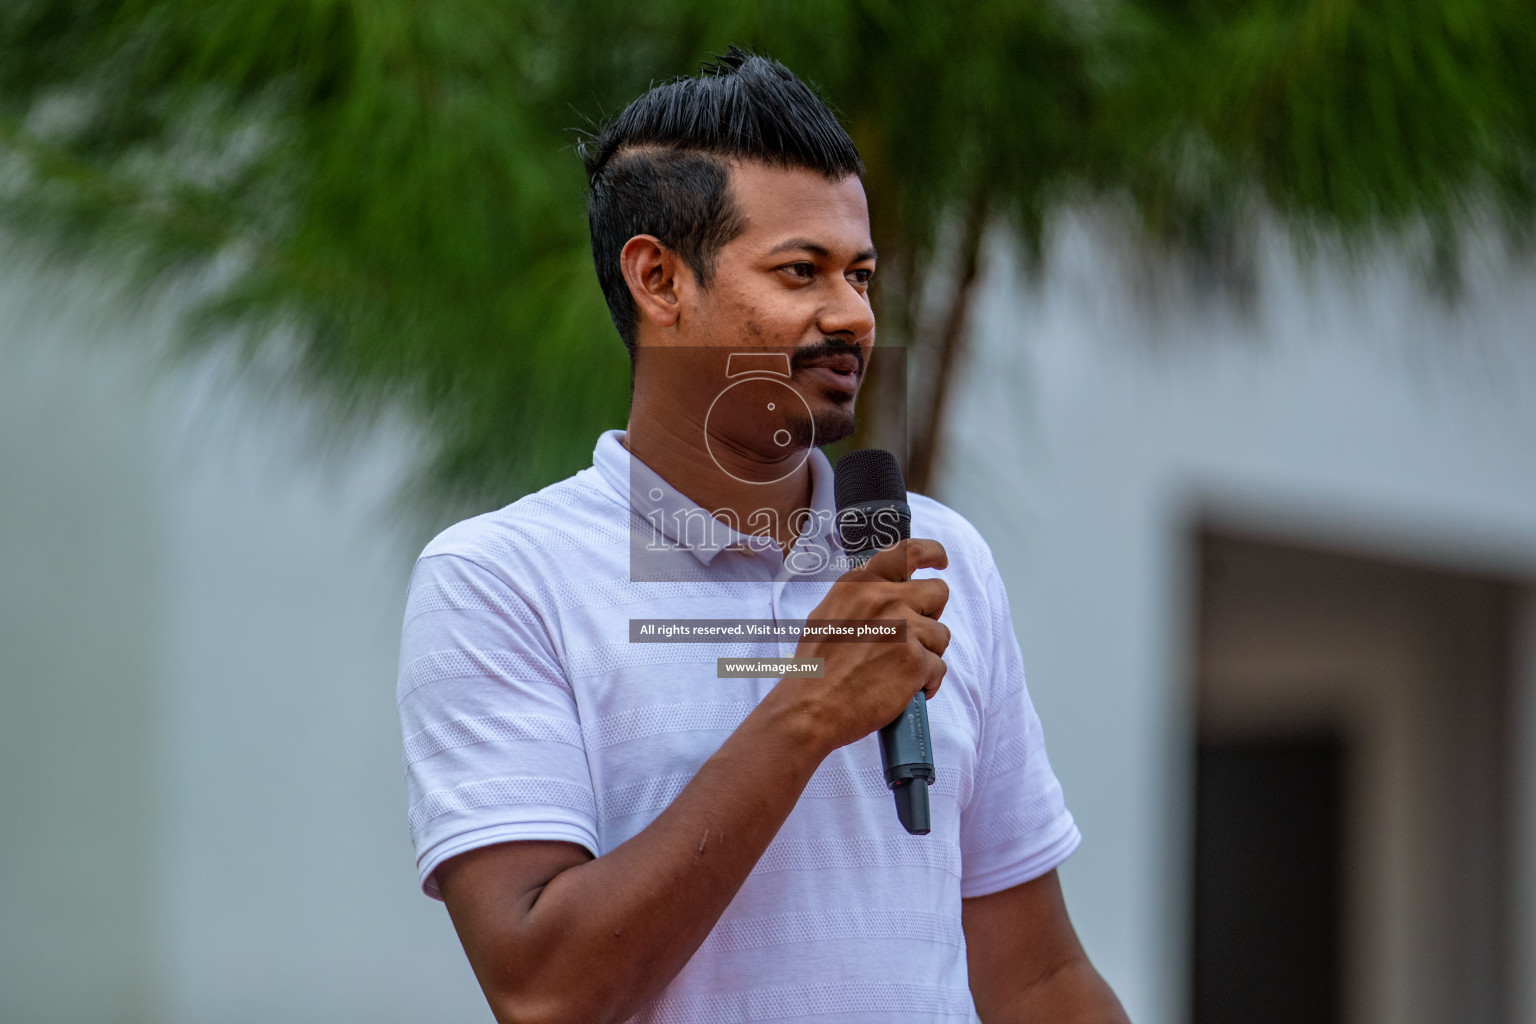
(848, 315)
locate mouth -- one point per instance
(836, 371)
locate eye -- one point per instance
(862, 276)
(803, 269)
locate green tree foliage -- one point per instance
(384, 193)
(1347, 118)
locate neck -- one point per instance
(674, 447)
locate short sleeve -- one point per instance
(492, 742)
(1015, 826)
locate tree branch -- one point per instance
(925, 444)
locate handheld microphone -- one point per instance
(872, 513)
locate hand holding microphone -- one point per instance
(884, 685)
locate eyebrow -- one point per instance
(818, 250)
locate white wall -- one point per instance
(81, 622)
(199, 621)
(1095, 428)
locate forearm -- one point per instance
(1071, 993)
(1026, 962)
(606, 935)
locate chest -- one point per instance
(652, 711)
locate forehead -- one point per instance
(777, 203)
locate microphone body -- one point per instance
(872, 514)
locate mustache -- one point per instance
(826, 347)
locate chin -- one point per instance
(833, 425)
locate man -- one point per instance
(619, 830)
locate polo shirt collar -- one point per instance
(652, 498)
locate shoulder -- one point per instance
(520, 564)
(968, 551)
(560, 522)
(977, 609)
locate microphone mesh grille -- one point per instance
(869, 474)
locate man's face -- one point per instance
(795, 281)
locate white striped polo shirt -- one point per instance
(527, 713)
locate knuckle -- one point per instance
(945, 636)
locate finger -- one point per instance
(935, 677)
(888, 564)
(923, 553)
(933, 635)
(899, 561)
(927, 597)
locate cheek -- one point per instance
(769, 323)
(744, 321)
(753, 318)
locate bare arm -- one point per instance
(555, 935)
(1026, 963)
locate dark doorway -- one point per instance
(1269, 846)
(1354, 764)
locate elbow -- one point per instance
(519, 1009)
(528, 1006)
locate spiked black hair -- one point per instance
(662, 166)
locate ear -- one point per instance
(652, 272)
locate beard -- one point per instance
(825, 427)
(836, 420)
(760, 428)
